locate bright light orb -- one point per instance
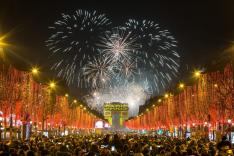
(197, 74)
(52, 84)
(181, 85)
(35, 70)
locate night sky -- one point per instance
(202, 28)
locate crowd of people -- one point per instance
(115, 145)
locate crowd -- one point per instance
(115, 145)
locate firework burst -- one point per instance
(98, 72)
(118, 45)
(73, 41)
(128, 69)
(159, 60)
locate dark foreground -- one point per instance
(115, 145)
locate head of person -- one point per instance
(94, 148)
(224, 138)
(20, 152)
(116, 137)
(30, 153)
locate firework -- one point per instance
(118, 44)
(98, 72)
(73, 42)
(159, 60)
(128, 69)
(124, 64)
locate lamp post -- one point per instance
(229, 128)
(35, 72)
(28, 125)
(52, 87)
(1, 119)
(181, 88)
(46, 104)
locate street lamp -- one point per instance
(35, 71)
(1, 120)
(197, 73)
(181, 86)
(229, 128)
(2, 42)
(2, 45)
(52, 85)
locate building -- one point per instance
(116, 113)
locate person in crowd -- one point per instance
(224, 147)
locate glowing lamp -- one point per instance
(52, 84)
(35, 71)
(197, 73)
(181, 86)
